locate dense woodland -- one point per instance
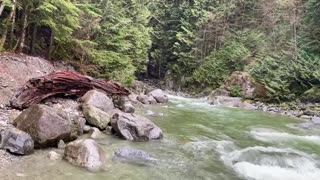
(195, 43)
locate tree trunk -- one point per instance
(13, 22)
(25, 24)
(33, 40)
(62, 83)
(51, 45)
(5, 32)
(2, 7)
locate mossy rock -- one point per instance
(312, 95)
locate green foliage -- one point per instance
(220, 64)
(286, 78)
(236, 91)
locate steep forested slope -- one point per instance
(196, 44)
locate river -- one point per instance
(201, 142)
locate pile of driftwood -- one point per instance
(62, 83)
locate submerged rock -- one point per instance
(98, 100)
(85, 153)
(16, 141)
(54, 156)
(130, 155)
(159, 95)
(135, 127)
(45, 125)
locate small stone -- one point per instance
(61, 144)
(54, 156)
(305, 117)
(96, 133)
(86, 129)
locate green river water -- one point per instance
(201, 142)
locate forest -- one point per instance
(196, 43)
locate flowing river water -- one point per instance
(201, 142)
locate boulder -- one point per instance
(159, 95)
(133, 98)
(98, 100)
(97, 117)
(130, 155)
(143, 99)
(16, 141)
(71, 110)
(85, 153)
(242, 84)
(45, 125)
(152, 100)
(135, 127)
(230, 102)
(124, 104)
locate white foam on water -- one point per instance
(274, 136)
(265, 163)
(150, 113)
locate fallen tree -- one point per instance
(62, 83)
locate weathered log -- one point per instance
(62, 83)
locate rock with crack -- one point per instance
(46, 125)
(159, 95)
(85, 153)
(16, 141)
(135, 127)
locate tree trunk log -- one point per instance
(62, 83)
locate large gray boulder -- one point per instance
(152, 100)
(97, 117)
(98, 100)
(229, 102)
(45, 125)
(85, 153)
(16, 141)
(135, 127)
(130, 155)
(159, 95)
(143, 98)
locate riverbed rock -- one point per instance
(54, 156)
(124, 104)
(85, 153)
(159, 95)
(230, 102)
(152, 100)
(95, 133)
(61, 144)
(143, 98)
(16, 141)
(98, 100)
(97, 117)
(45, 125)
(135, 127)
(130, 155)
